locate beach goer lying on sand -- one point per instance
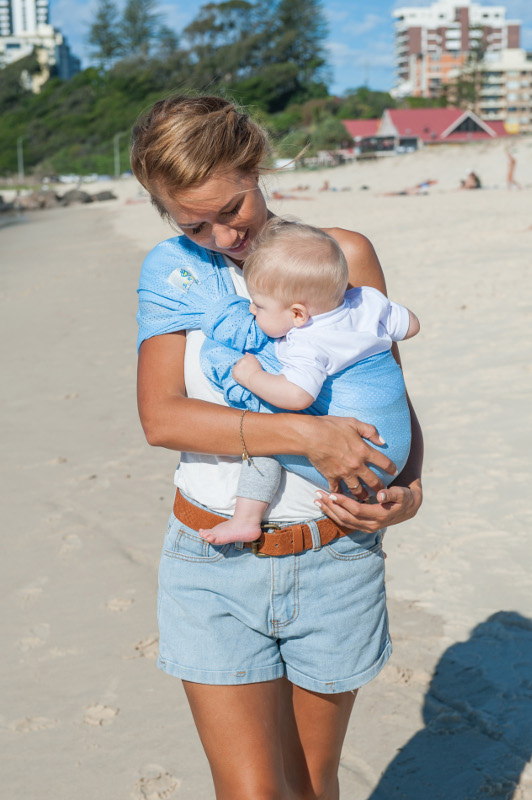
(282, 687)
(471, 181)
(281, 196)
(419, 188)
(326, 187)
(297, 278)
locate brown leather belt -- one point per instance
(273, 541)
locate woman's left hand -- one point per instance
(395, 504)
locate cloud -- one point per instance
(342, 55)
(335, 15)
(369, 22)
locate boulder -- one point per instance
(75, 196)
(35, 200)
(106, 195)
(5, 206)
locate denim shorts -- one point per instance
(229, 617)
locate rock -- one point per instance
(106, 195)
(5, 206)
(75, 196)
(48, 199)
(36, 200)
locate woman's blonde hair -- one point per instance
(182, 141)
(296, 263)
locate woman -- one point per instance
(271, 650)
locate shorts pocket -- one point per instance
(356, 545)
(186, 544)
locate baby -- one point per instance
(297, 277)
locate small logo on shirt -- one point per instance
(182, 279)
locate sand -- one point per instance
(86, 714)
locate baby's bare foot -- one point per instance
(231, 531)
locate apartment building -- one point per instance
(505, 89)
(25, 27)
(434, 43)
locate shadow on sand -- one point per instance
(478, 720)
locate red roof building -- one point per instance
(361, 128)
(437, 125)
(417, 126)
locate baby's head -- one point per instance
(294, 272)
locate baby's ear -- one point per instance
(300, 314)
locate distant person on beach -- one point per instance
(271, 650)
(511, 181)
(326, 187)
(419, 188)
(471, 181)
(297, 277)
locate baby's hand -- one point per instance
(245, 368)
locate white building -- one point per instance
(25, 27)
(433, 43)
(506, 89)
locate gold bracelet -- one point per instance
(245, 455)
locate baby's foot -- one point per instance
(231, 531)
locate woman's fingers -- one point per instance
(349, 513)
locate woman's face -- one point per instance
(224, 213)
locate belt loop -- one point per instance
(316, 537)
(239, 545)
(298, 539)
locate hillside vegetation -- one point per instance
(266, 56)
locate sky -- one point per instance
(359, 45)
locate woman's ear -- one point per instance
(300, 314)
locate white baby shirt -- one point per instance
(365, 324)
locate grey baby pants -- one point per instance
(259, 480)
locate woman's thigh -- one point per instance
(271, 740)
(239, 729)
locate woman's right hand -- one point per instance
(337, 448)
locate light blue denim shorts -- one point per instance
(229, 617)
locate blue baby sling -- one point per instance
(183, 286)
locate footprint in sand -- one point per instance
(37, 637)
(28, 594)
(147, 648)
(120, 603)
(99, 715)
(70, 543)
(155, 784)
(29, 724)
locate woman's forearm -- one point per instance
(196, 426)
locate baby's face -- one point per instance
(273, 317)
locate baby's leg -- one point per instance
(257, 485)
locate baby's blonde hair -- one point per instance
(296, 263)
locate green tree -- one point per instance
(103, 36)
(329, 135)
(363, 103)
(139, 28)
(298, 37)
(167, 42)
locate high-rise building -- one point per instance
(23, 16)
(25, 28)
(434, 43)
(505, 89)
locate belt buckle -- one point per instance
(265, 526)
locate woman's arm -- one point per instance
(403, 498)
(170, 419)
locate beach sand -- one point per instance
(86, 714)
